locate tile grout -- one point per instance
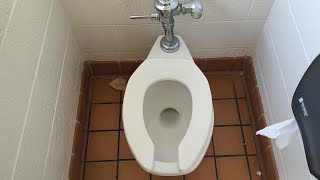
(109, 160)
(216, 126)
(214, 99)
(88, 133)
(206, 156)
(252, 125)
(242, 132)
(214, 159)
(228, 155)
(119, 132)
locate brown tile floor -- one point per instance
(231, 154)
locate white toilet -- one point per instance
(167, 112)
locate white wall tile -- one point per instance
(290, 51)
(60, 145)
(137, 37)
(19, 54)
(262, 89)
(5, 8)
(31, 54)
(225, 10)
(212, 53)
(40, 116)
(265, 50)
(132, 55)
(243, 52)
(272, 78)
(276, 93)
(219, 35)
(279, 162)
(224, 22)
(307, 14)
(258, 70)
(107, 56)
(100, 12)
(295, 160)
(93, 39)
(140, 38)
(260, 9)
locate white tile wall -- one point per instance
(19, 52)
(220, 35)
(260, 9)
(33, 50)
(5, 7)
(287, 41)
(105, 32)
(285, 48)
(63, 128)
(306, 15)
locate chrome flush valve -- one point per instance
(167, 9)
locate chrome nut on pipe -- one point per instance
(194, 7)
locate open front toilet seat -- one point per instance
(184, 74)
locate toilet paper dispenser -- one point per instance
(306, 109)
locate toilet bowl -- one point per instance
(167, 112)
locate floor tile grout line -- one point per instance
(231, 125)
(242, 133)
(229, 155)
(132, 159)
(109, 160)
(255, 144)
(216, 126)
(88, 133)
(214, 99)
(231, 98)
(119, 132)
(244, 87)
(107, 102)
(105, 130)
(249, 108)
(214, 159)
(256, 148)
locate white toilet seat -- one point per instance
(195, 142)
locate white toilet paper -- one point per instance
(283, 132)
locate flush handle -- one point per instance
(152, 16)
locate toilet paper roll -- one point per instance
(282, 132)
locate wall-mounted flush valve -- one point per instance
(167, 9)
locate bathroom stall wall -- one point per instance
(289, 42)
(105, 32)
(39, 72)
